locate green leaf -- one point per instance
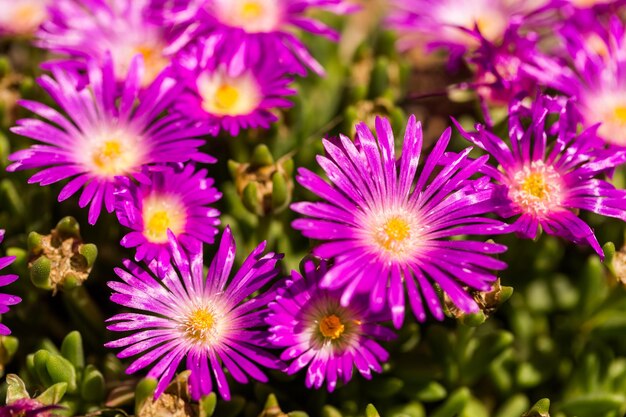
(593, 405)
(454, 404)
(431, 391)
(16, 390)
(207, 405)
(92, 387)
(72, 349)
(61, 370)
(144, 391)
(371, 411)
(540, 409)
(53, 395)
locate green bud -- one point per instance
(280, 193)
(40, 274)
(53, 395)
(62, 370)
(90, 252)
(431, 391)
(92, 386)
(473, 319)
(72, 349)
(330, 411)
(16, 390)
(454, 404)
(379, 80)
(233, 168)
(207, 405)
(371, 411)
(34, 243)
(21, 257)
(540, 409)
(68, 227)
(250, 198)
(144, 391)
(261, 156)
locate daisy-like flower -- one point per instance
(545, 184)
(598, 82)
(209, 323)
(262, 27)
(22, 17)
(6, 300)
(89, 29)
(386, 227)
(452, 24)
(103, 134)
(229, 95)
(175, 199)
(315, 330)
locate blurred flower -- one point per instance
(22, 17)
(89, 29)
(385, 228)
(6, 300)
(105, 134)
(453, 24)
(546, 184)
(228, 94)
(262, 28)
(315, 330)
(27, 407)
(598, 83)
(176, 200)
(209, 322)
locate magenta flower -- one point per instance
(545, 184)
(317, 332)
(385, 227)
(22, 17)
(453, 24)
(177, 200)
(229, 95)
(103, 134)
(598, 82)
(210, 323)
(91, 29)
(263, 28)
(27, 407)
(6, 300)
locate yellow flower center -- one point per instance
(226, 97)
(396, 230)
(251, 9)
(199, 325)
(620, 113)
(331, 327)
(26, 12)
(535, 185)
(161, 213)
(536, 189)
(107, 155)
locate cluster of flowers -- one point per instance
(141, 83)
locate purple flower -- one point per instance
(544, 183)
(22, 17)
(211, 323)
(598, 55)
(386, 227)
(506, 69)
(229, 95)
(6, 300)
(177, 200)
(452, 24)
(91, 29)
(103, 134)
(315, 330)
(27, 407)
(263, 28)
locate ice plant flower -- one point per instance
(386, 227)
(22, 17)
(175, 199)
(228, 95)
(598, 81)
(545, 184)
(6, 300)
(452, 24)
(209, 323)
(263, 28)
(89, 29)
(104, 133)
(317, 332)
(27, 407)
